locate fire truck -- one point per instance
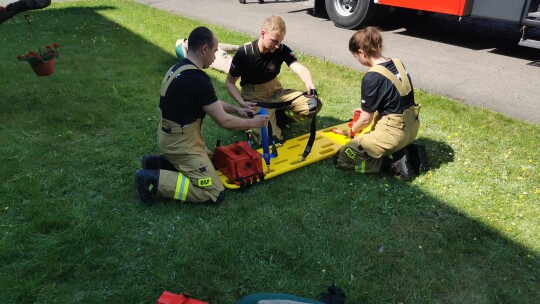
(353, 14)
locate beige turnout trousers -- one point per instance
(183, 146)
(391, 133)
(272, 91)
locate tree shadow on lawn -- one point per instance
(380, 239)
(384, 241)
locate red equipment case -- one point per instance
(239, 163)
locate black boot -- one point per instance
(386, 166)
(147, 184)
(156, 162)
(419, 159)
(401, 165)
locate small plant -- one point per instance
(42, 55)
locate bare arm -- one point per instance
(225, 120)
(363, 121)
(244, 112)
(304, 75)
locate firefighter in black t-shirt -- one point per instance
(184, 171)
(387, 100)
(257, 64)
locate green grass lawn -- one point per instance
(73, 231)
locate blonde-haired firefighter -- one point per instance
(257, 64)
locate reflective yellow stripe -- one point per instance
(182, 186)
(293, 115)
(361, 168)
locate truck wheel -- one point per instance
(350, 14)
(242, 1)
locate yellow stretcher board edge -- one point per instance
(326, 144)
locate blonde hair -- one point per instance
(274, 23)
(369, 39)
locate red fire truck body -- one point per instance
(353, 14)
(452, 7)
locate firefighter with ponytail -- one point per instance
(387, 100)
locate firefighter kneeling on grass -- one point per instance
(388, 101)
(257, 64)
(184, 171)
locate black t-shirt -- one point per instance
(257, 68)
(380, 94)
(186, 95)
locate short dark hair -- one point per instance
(199, 37)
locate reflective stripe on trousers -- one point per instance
(360, 168)
(182, 186)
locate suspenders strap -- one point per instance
(403, 86)
(168, 79)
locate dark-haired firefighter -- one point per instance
(388, 101)
(184, 171)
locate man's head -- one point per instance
(202, 46)
(272, 33)
(366, 43)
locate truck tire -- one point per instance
(350, 14)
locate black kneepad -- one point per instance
(314, 104)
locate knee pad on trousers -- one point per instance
(314, 104)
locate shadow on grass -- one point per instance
(75, 232)
(439, 153)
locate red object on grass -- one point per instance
(172, 298)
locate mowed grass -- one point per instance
(73, 231)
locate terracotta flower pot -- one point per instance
(43, 68)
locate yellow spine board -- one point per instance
(327, 144)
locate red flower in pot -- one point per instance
(42, 61)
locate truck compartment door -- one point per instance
(451, 7)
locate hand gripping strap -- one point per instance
(168, 79)
(403, 86)
(313, 126)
